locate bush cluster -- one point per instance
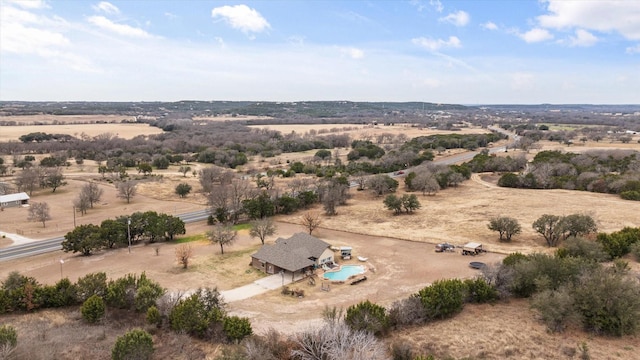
(573, 288)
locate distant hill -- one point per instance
(316, 109)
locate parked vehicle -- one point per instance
(472, 248)
(445, 247)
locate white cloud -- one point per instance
(536, 35)
(170, 16)
(437, 44)
(30, 4)
(241, 17)
(20, 39)
(489, 26)
(106, 7)
(459, 18)
(120, 29)
(436, 5)
(621, 16)
(633, 49)
(353, 53)
(27, 33)
(583, 38)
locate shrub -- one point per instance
(121, 292)
(401, 351)
(479, 291)
(509, 180)
(367, 316)
(272, 345)
(443, 298)
(408, 311)
(542, 272)
(337, 341)
(608, 303)
(618, 244)
(63, 293)
(556, 308)
(514, 258)
(579, 247)
(199, 315)
(132, 292)
(630, 195)
(8, 336)
(236, 328)
(136, 344)
(93, 309)
(154, 317)
(91, 284)
(146, 296)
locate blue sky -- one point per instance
(464, 52)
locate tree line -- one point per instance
(147, 226)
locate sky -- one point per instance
(439, 51)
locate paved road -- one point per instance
(49, 245)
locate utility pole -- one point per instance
(129, 233)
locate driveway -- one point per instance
(259, 286)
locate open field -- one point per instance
(125, 131)
(25, 120)
(366, 131)
(399, 248)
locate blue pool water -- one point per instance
(344, 273)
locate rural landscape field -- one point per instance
(397, 247)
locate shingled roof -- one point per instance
(294, 253)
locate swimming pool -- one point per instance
(345, 272)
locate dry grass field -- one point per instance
(399, 248)
(124, 131)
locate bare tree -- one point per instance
(426, 182)
(208, 177)
(382, 184)
(239, 190)
(455, 179)
(92, 193)
(219, 199)
(360, 178)
(127, 189)
(39, 211)
(27, 180)
(297, 186)
(338, 341)
(81, 203)
(222, 234)
(184, 252)
(262, 228)
(311, 221)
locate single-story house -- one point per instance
(12, 200)
(296, 255)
